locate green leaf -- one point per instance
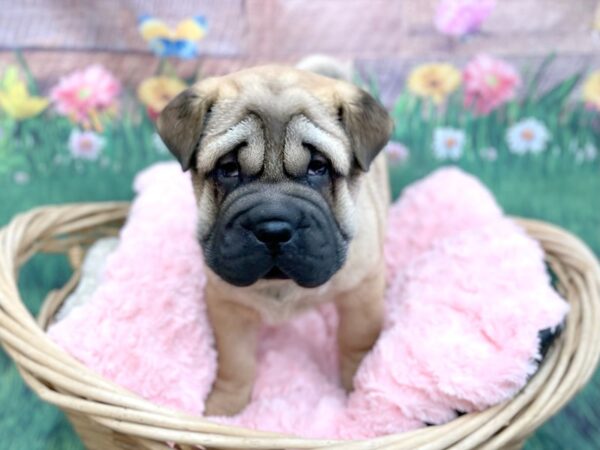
(534, 82)
(400, 107)
(557, 95)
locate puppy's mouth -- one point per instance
(276, 274)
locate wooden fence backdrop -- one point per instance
(383, 36)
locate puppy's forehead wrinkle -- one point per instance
(275, 114)
(217, 145)
(264, 99)
(284, 103)
(301, 130)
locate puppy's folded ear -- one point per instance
(367, 124)
(181, 122)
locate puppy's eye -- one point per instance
(318, 166)
(229, 169)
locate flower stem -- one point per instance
(161, 66)
(19, 132)
(198, 71)
(96, 124)
(169, 69)
(165, 68)
(31, 83)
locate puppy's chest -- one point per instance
(279, 301)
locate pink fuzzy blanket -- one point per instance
(468, 293)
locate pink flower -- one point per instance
(460, 17)
(489, 83)
(83, 94)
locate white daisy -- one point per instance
(448, 143)
(59, 159)
(85, 144)
(489, 154)
(587, 153)
(21, 177)
(528, 135)
(591, 152)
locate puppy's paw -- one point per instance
(221, 402)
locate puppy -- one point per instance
(292, 201)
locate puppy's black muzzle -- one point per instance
(275, 232)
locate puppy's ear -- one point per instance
(181, 122)
(367, 124)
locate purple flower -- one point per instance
(460, 17)
(397, 152)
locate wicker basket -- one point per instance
(107, 416)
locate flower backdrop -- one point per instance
(531, 136)
(473, 116)
(486, 118)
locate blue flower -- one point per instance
(181, 49)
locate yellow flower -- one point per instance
(156, 92)
(434, 81)
(15, 99)
(192, 29)
(591, 89)
(152, 29)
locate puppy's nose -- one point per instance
(273, 232)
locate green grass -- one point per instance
(551, 186)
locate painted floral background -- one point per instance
(523, 118)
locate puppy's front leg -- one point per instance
(361, 319)
(236, 334)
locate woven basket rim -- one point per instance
(63, 381)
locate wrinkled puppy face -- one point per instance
(276, 156)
